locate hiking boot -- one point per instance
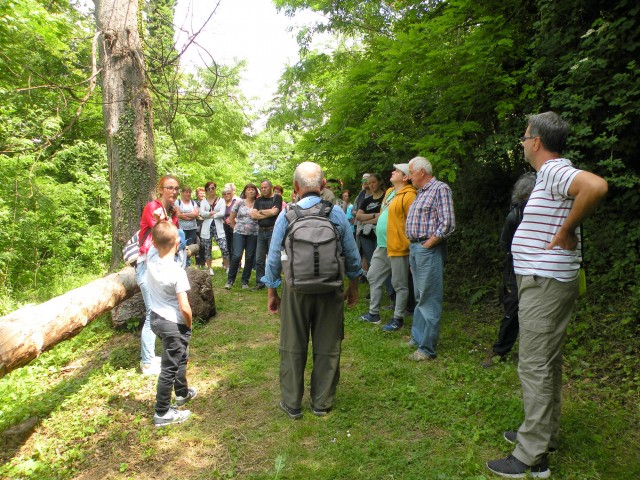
(191, 394)
(245, 286)
(228, 285)
(511, 467)
(419, 356)
(259, 286)
(371, 317)
(511, 436)
(150, 370)
(172, 416)
(394, 325)
(294, 413)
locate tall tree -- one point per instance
(128, 119)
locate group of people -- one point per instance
(411, 222)
(238, 225)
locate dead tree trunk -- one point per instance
(29, 331)
(127, 116)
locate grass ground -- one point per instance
(83, 411)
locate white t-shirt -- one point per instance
(165, 280)
(546, 210)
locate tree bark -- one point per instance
(31, 330)
(128, 119)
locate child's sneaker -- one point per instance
(172, 416)
(191, 394)
(228, 285)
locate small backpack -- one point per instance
(312, 260)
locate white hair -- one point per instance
(308, 176)
(421, 163)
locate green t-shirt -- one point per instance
(381, 226)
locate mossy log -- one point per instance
(33, 329)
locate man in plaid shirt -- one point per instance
(429, 222)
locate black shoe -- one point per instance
(370, 317)
(320, 412)
(512, 437)
(294, 413)
(259, 286)
(511, 467)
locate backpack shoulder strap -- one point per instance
(325, 209)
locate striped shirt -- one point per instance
(545, 212)
(431, 213)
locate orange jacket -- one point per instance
(397, 241)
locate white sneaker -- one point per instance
(152, 369)
(191, 394)
(211, 272)
(172, 416)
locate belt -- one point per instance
(418, 240)
(265, 229)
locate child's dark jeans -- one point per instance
(175, 353)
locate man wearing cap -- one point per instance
(392, 252)
(429, 222)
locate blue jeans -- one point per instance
(175, 353)
(147, 337)
(262, 249)
(427, 267)
(247, 244)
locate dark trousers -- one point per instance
(173, 368)
(228, 233)
(262, 249)
(322, 316)
(247, 244)
(509, 327)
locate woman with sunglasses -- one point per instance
(157, 210)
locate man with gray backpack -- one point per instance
(313, 246)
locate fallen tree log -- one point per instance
(131, 312)
(33, 329)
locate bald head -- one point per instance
(308, 178)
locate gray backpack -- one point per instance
(312, 260)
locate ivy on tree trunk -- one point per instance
(128, 119)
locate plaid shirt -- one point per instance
(432, 212)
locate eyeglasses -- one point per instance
(174, 189)
(211, 188)
(524, 139)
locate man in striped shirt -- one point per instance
(430, 221)
(546, 262)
